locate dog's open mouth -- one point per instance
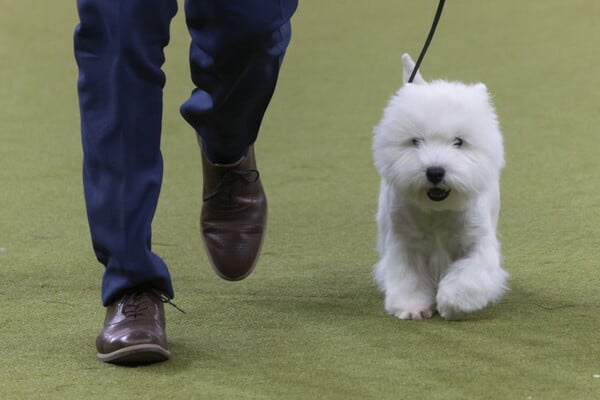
(438, 194)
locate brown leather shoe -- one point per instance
(234, 216)
(134, 331)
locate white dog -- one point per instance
(439, 151)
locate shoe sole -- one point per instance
(139, 354)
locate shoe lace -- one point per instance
(166, 300)
(223, 188)
(136, 303)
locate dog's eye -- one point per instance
(416, 141)
(458, 142)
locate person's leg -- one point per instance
(235, 55)
(119, 52)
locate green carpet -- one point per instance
(309, 323)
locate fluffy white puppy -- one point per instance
(439, 151)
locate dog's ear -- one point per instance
(409, 65)
(482, 89)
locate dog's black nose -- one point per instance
(435, 174)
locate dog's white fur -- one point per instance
(438, 255)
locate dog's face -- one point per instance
(439, 144)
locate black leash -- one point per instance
(436, 19)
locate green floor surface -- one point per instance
(309, 323)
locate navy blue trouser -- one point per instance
(236, 50)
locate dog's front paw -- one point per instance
(469, 287)
(408, 295)
(452, 303)
(415, 315)
(408, 310)
(449, 311)
(455, 300)
(404, 303)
